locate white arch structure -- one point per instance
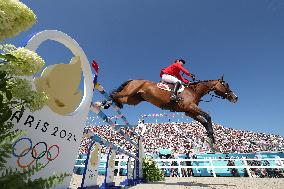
(74, 47)
(61, 133)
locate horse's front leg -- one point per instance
(211, 142)
(204, 118)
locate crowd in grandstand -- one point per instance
(181, 137)
(189, 139)
(265, 172)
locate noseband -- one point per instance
(211, 88)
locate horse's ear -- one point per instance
(222, 78)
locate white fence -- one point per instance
(277, 163)
(211, 167)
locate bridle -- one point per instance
(228, 91)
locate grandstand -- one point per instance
(182, 137)
(170, 143)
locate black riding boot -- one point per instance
(174, 96)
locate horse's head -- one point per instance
(222, 89)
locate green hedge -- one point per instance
(151, 172)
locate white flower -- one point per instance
(27, 62)
(21, 89)
(15, 17)
(6, 48)
(37, 100)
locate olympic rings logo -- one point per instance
(34, 154)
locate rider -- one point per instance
(171, 74)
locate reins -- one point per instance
(196, 82)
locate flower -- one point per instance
(15, 17)
(24, 63)
(21, 89)
(6, 48)
(37, 100)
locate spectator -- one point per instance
(233, 171)
(183, 136)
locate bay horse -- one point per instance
(133, 92)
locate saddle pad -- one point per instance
(166, 87)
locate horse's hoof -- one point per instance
(106, 106)
(98, 104)
(118, 105)
(211, 144)
(173, 98)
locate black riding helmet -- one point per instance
(181, 60)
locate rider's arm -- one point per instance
(183, 79)
(184, 70)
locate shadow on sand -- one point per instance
(192, 183)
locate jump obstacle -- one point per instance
(90, 173)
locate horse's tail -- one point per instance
(120, 88)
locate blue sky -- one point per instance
(134, 39)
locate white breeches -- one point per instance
(170, 78)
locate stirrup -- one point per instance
(175, 98)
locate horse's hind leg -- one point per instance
(133, 99)
(130, 89)
(129, 94)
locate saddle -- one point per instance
(168, 86)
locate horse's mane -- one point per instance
(200, 81)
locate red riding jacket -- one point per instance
(174, 70)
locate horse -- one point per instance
(132, 92)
